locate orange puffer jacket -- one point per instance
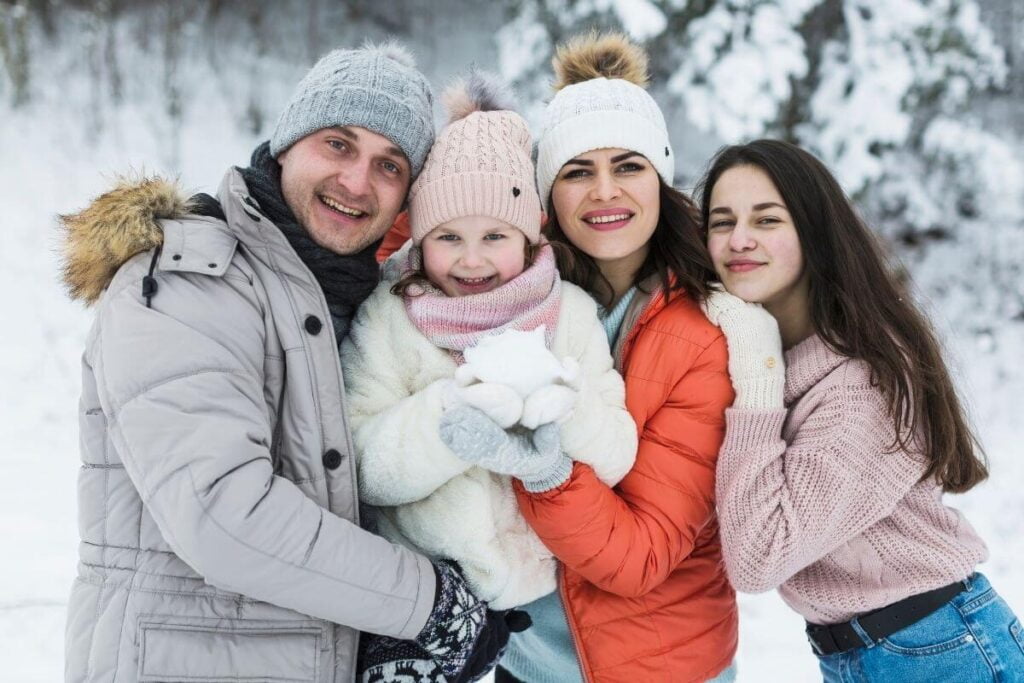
(642, 579)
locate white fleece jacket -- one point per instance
(432, 501)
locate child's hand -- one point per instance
(572, 374)
(553, 403)
(535, 458)
(499, 402)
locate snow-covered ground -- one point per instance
(53, 164)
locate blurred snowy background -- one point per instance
(918, 106)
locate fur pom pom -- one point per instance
(479, 91)
(594, 55)
(394, 50)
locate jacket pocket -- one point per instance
(219, 650)
(1018, 633)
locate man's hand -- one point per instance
(464, 637)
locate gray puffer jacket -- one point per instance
(217, 496)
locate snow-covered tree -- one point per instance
(884, 91)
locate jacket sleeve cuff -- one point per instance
(751, 428)
(425, 599)
(553, 479)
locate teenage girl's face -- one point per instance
(753, 242)
(473, 254)
(607, 204)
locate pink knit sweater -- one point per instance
(809, 500)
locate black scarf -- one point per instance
(346, 280)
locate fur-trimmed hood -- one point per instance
(116, 226)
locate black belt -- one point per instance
(833, 638)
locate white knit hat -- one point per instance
(601, 103)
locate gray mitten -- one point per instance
(535, 458)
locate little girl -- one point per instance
(476, 267)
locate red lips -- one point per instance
(742, 265)
(604, 225)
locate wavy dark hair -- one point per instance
(677, 254)
(860, 309)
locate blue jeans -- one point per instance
(974, 637)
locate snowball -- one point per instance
(518, 359)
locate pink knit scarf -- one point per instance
(531, 299)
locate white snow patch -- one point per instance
(641, 18)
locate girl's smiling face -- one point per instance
(473, 254)
(753, 241)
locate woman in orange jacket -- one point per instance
(643, 594)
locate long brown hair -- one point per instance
(860, 309)
(676, 255)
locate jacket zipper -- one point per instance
(572, 624)
(617, 359)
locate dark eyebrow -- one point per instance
(768, 205)
(721, 209)
(623, 157)
(395, 152)
(615, 159)
(347, 132)
(352, 135)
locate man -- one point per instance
(218, 507)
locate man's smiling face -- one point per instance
(345, 185)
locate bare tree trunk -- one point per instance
(14, 27)
(175, 18)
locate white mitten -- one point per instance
(465, 375)
(572, 374)
(756, 364)
(553, 403)
(499, 402)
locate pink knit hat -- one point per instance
(480, 164)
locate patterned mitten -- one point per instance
(389, 660)
(535, 458)
(461, 641)
(461, 634)
(756, 364)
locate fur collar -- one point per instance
(113, 228)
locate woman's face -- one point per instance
(753, 242)
(607, 204)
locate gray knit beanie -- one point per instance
(376, 87)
